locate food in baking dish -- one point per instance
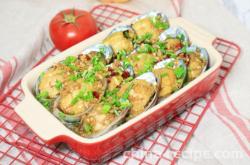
(132, 69)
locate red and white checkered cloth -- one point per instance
(226, 126)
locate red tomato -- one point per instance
(71, 26)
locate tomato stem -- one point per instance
(71, 17)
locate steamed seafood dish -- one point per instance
(134, 68)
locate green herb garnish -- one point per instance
(162, 46)
(171, 54)
(97, 62)
(42, 97)
(58, 85)
(42, 75)
(106, 108)
(87, 127)
(89, 76)
(125, 104)
(146, 48)
(159, 24)
(179, 72)
(148, 65)
(170, 64)
(181, 37)
(116, 112)
(146, 37)
(163, 75)
(82, 95)
(61, 115)
(121, 54)
(74, 77)
(69, 61)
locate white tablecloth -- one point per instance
(221, 131)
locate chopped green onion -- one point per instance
(58, 85)
(163, 75)
(159, 24)
(41, 75)
(179, 72)
(126, 93)
(162, 46)
(89, 76)
(145, 37)
(42, 97)
(106, 108)
(117, 113)
(82, 95)
(171, 54)
(129, 79)
(87, 127)
(146, 48)
(69, 62)
(121, 54)
(125, 104)
(170, 64)
(61, 115)
(181, 37)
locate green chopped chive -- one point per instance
(102, 51)
(61, 115)
(146, 48)
(58, 85)
(163, 75)
(119, 102)
(181, 37)
(159, 24)
(126, 93)
(146, 37)
(179, 72)
(170, 64)
(125, 104)
(82, 95)
(129, 79)
(106, 108)
(97, 61)
(171, 54)
(148, 65)
(74, 100)
(74, 77)
(42, 75)
(121, 54)
(87, 128)
(42, 97)
(89, 76)
(162, 46)
(116, 112)
(69, 62)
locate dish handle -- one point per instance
(37, 125)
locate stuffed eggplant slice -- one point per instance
(118, 73)
(174, 39)
(141, 62)
(196, 59)
(52, 80)
(142, 93)
(120, 39)
(172, 74)
(101, 119)
(148, 27)
(96, 56)
(77, 98)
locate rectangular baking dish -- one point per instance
(102, 148)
